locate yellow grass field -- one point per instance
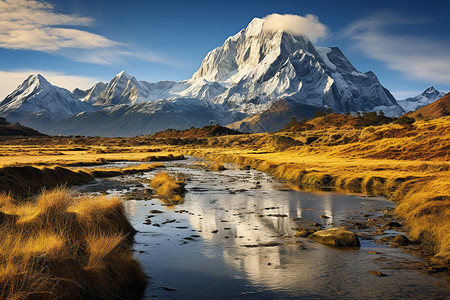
(409, 164)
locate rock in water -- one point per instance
(336, 237)
(401, 240)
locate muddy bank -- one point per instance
(28, 180)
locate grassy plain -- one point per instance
(408, 163)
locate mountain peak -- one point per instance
(430, 90)
(36, 79)
(255, 27)
(123, 74)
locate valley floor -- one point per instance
(409, 164)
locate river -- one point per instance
(233, 238)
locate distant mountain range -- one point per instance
(427, 97)
(437, 109)
(257, 80)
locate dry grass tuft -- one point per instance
(59, 246)
(110, 172)
(169, 188)
(213, 166)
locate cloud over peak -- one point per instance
(297, 25)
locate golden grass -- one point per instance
(168, 188)
(59, 246)
(72, 155)
(409, 165)
(213, 165)
(109, 172)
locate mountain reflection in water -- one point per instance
(233, 237)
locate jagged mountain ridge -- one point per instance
(428, 96)
(437, 109)
(254, 68)
(37, 97)
(250, 72)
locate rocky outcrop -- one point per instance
(336, 237)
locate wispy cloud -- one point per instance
(298, 25)
(12, 79)
(417, 57)
(35, 25)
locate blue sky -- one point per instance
(75, 43)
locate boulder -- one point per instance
(401, 240)
(304, 232)
(336, 237)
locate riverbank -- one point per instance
(408, 165)
(25, 181)
(61, 246)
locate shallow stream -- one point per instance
(233, 238)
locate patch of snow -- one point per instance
(323, 52)
(355, 73)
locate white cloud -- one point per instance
(12, 79)
(30, 25)
(297, 25)
(34, 25)
(417, 57)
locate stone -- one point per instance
(305, 232)
(391, 224)
(336, 237)
(401, 240)
(378, 273)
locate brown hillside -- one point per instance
(334, 120)
(9, 129)
(274, 118)
(437, 109)
(207, 131)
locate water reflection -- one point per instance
(203, 254)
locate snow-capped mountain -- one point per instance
(126, 89)
(429, 96)
(254, 68)
(251, 72)
(90, 96)
(37, 98)
(258, 68)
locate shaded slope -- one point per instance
(440, 108)
(9, 129)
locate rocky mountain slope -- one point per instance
(437, 109)
(427, 97)
(36, 99)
